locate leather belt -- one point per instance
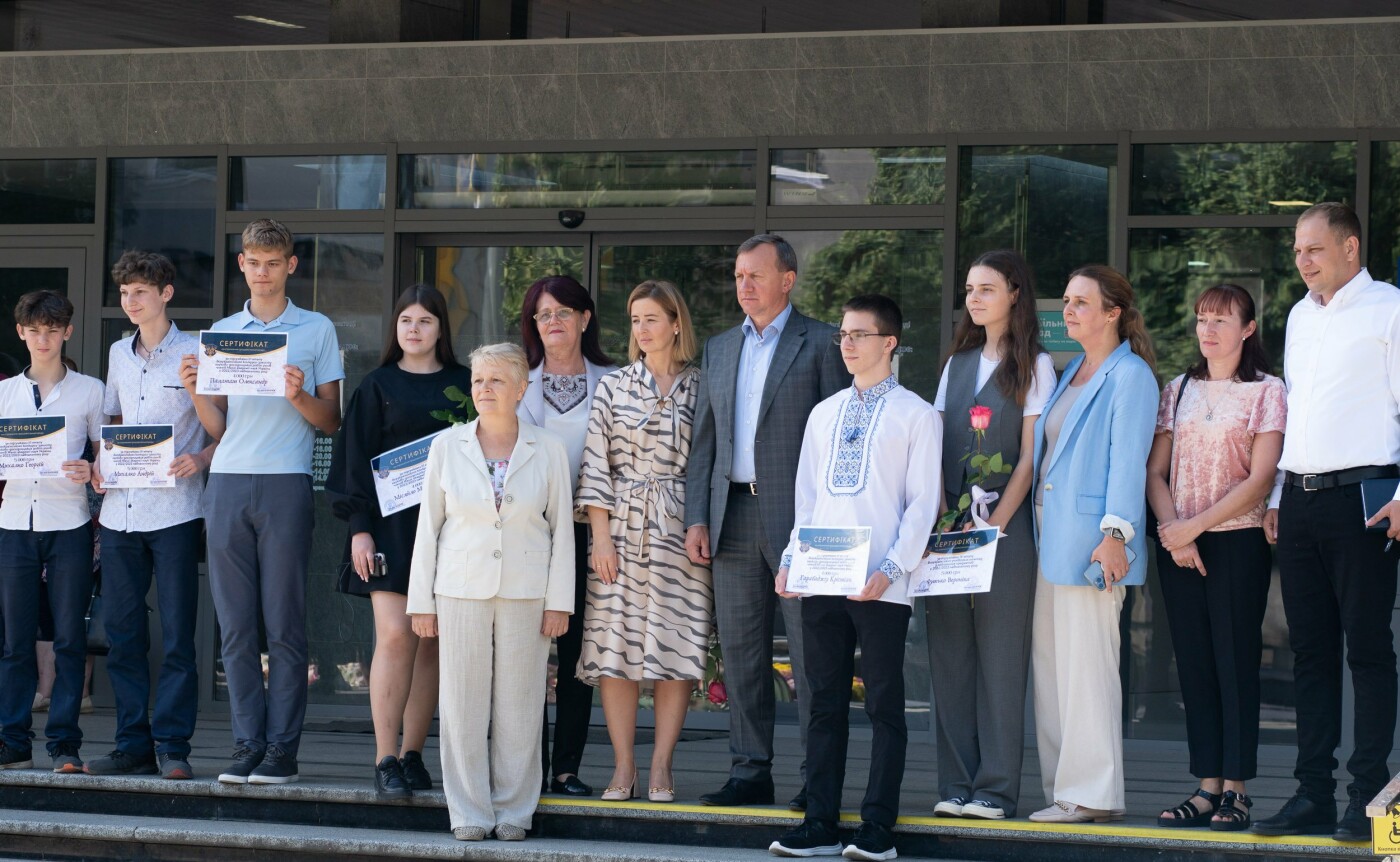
(1339, 478)
(749, 488)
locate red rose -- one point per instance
(716, 693)
(981, 418)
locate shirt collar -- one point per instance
(775, 328)
(170, 334)
(1358, 283)
(876, 392)
(290, 316)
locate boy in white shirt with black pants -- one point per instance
(871, 457)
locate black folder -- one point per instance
(1375, 493)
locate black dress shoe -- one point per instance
(570, 786)
(737, 791)
(799, 802)
(1354, 825)
(389, 782)
(1299, 816)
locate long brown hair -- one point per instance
(1117, 292)
(435, 304)
(1020, 343)
(1227, 299)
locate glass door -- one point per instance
(23, 270)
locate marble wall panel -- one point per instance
(617, 57)
(532, 107)
(721, 104)
(1377, 91)
(1151, 95)
(7, 116)
(427, 61)
(1012, 46)
(1282, 93)
(59, 69)
(427, 109)
(72, 115)
(522, 58)
(1283, 40)
(1131, 43)
(282, 64)
(152, 66)
(713, 55)
(1377, 37)
(192, 112)
(620, 106)
(862, 101)
(1028, 97)
(841, 52)
(300, 112)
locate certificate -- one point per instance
(830, 561)
(956, 564)
(399, 473)
(33, 447)
(137, 456)
(242, 363)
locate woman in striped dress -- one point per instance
(649, 608)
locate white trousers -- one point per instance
(1078, 695)
(490, 708)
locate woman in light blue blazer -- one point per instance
(1091, 446)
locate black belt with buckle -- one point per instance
(749, 488)
(1339, 478)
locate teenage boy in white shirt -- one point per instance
(45, 523)
(871, 457)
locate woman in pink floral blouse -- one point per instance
(1208, 480)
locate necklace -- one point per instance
(1210, 405)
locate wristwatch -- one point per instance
(1115, 533)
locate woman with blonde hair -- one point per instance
(493, 579)
(647, 616)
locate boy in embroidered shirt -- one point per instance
(45, 523)
(870, 458)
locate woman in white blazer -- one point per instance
(493, 579)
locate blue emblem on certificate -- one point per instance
(399, 474)
(137, 456)
(955, 564)
(830, 561)
(242, 363)
(33, 447)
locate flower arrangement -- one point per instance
(984, 467)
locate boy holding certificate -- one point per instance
(44, 523)
(151, 528)
(871, 463)
(258, 509)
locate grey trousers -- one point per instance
(744, 603)
(979, 651)
(259, 530)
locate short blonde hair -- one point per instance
(668, 296)
(508, 356)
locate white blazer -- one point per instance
(466, 549)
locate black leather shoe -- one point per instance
(737, 791)
(1354, 825)
(570, 786)
(799, 802)
(389, 782)
(1299, 816)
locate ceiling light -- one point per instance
(269, 22)
(1290, 203)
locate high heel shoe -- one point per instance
(662, 794)
(621, 793)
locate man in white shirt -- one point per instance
(1342, 367)
(45, 524)
(871, 457)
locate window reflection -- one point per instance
(1241, 178)
(704, 274)
(306, 183)
(165, 205)
(48, 191)
(867, 175)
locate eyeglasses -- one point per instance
(563, 315)
(856, 337)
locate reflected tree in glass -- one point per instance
(1241, 178)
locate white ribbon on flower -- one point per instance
(979, 509)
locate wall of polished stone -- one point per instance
(1200, 77)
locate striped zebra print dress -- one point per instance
(654, 621)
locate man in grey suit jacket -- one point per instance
(759, 381)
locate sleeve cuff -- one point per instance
(1276, 494)
(787, 561)
(361, 522)
(1113, 522)
(891, 570)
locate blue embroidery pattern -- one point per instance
(855, 428)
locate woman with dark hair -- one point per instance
(391, 407)
(1219, 438)
(979, 646)
(1091, 446)
(559, 328)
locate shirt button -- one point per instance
(510, 499)
(498, 525)
(1049, 487)
(496, 554)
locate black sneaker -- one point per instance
(245, 760)
(277, 767)
(811, 838)
(415, 772)
(873, 843)
(66, 760)
(174, 767)
(389, 782)
(122, 763)
(16, 758)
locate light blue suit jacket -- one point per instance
(1098, 471)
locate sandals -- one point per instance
(1233, 813)
(1187, 815)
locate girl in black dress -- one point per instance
(391, 407)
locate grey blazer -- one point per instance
(806, 369)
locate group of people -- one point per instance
(629, 513)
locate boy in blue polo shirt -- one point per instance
(258, 510)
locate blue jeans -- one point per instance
(23, 556)
(129, 560)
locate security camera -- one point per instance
(571, 218)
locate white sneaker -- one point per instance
(950, 807)
(981, 809)
(1068, 812)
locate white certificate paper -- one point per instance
(137, 456)
(956, 564)
(33, 447)
(830, 561)
(242, 363)
(399, 473)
